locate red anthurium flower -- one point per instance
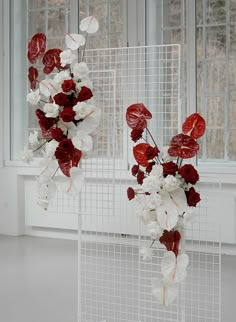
(36, 47)
(194, 126)
(183, 146)
(84, 94)
(139, 152)
(193, 197)
(171, 240)
(32, 76)
(137, 115)
(130, 193)
(51, 59)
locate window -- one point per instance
(210, 27)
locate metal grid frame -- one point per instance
(114, 284)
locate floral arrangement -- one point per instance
(66, 112)
(165, 193)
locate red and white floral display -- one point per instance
(165, 193)
(66, 111)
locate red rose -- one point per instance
(171, 240)
(84, 94)
(67, 145)
(189, 173)
(57, 134)
(149, 167)
(67, 114)
(140, 177)
(193, 197)
(134, 169)
(130, 193)
(68, 85)
(169, 168)
(47, 122)
(60, 154)
(136, 134)
(32, 76)
(151, 152)
(61, 99)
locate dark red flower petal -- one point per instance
(130, 193)
(193, 197)
(84, 94)
(169, 168)
(194, 126)
(36, 47)
(140, 177)
(72, 161)
(139, 152)
(51, 59)
(183, 146)
(136, 134)
(137, 115)
(171, 240)
(151, 152)
(134, 169)
(32, 76)
(189, 173)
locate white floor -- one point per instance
(38, 281)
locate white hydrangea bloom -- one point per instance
(82, 142)
(61, 76)
(80, 70)
(46, 190)
(27, 155)
(154, 200)
(152, 184)
(33, 138)
(67, 57)
(33, 97)
(146, 253)
(154, 230)
(171, 183)
(157, 170)
(51, 109)
(50, 148)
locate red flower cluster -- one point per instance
(171, 240)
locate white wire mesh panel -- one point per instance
(114, 282)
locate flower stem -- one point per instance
(82, 57)
(55, 172)
(152, 243)
(41, 145)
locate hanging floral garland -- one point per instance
(165, 193)
(66, 113)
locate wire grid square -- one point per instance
(114, 282)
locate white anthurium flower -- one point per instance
(171, 183)
(179, 199)
(152, 184)
(67, 57)
(167, 213)
(164, 293)
(68, 127)
(33, 138)
(89, 24)
(51, 109)
(146, 215)
(27, 155)
(154, 230)
(73, 184)
(80, 70)
(61, 76)
(74, 41)
(83, 142)
(157, 170)
(153, 201)
(82, 109)
(50, 148)
(174, 268)
(146, 253)
(91, 121)
(48, 87)
(33, 97)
